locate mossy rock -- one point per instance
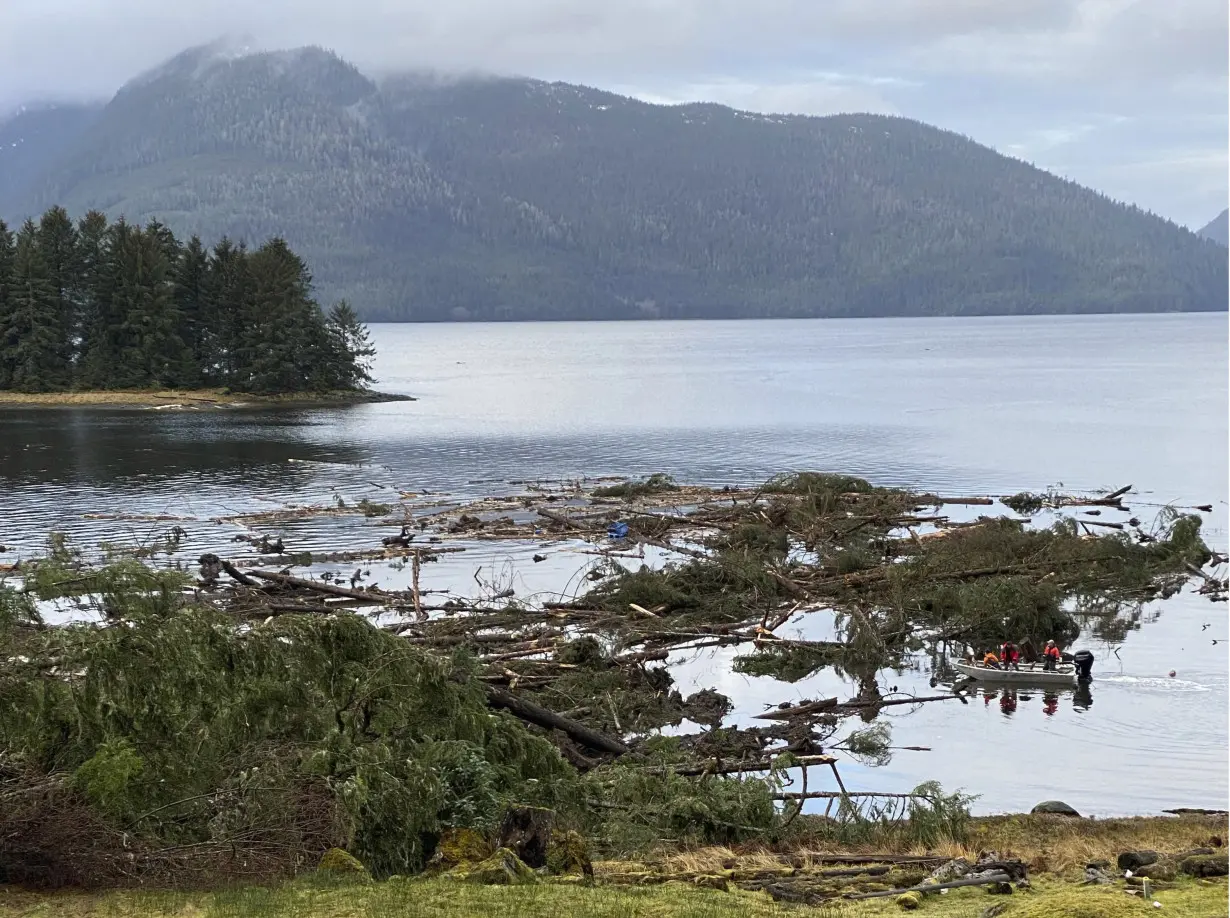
(1162, 870)
(337, 862)
(1206, 865)
(501, 869)
(909, 901)
(568, 853)
(457, 847)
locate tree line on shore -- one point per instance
(114, 305)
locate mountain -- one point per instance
(33, 137)
(1218, 229)
(491, 198)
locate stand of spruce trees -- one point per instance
(99, 305)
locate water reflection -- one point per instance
(1009, 699)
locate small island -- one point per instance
(111, 313)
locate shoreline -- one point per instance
(191, 399)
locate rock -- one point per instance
(1099, 865)
(1096, 876)
(1000, 889)
(1206, 865)
(995, 910)
(713, 882)
(526, 831)
(953, 870)
(338, 862)
(1162, 870)
(1054, 808)
(1134, 860)
(909, 901)
(568, 853)
(457, 847)
(1024, 884)
(503, 868)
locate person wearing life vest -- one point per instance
(989, 659)
(1010, 654)
(1050, 657)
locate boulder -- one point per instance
(1096, 876)
(1162, 870)
(1134, 860)
(1054, 808)
(340, 863)
(1206, 865)
(503, 868)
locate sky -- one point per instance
(1126, 96)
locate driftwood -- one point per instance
(716, 767)
(559, 518)
(238, 576)
(801, 710)
(317, 586)
(935, 887)
(536, 714)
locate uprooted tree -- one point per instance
(242, 727)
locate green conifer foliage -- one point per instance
(107, 306)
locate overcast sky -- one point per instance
(1127, 96)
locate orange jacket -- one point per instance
(1052, 652)
(989, 659)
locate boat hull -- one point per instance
(1028, 674)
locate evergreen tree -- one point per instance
(93, 254)
(34, 340)
(151, 351)
(227, 305)
(57, 240)
(191, 299)
(6, 281)
(286, 333)
(120, 306)
(350, 351)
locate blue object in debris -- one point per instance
(617, 530)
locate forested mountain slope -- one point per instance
(1218, 229)
(419, 198)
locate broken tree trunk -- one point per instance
(317, 586)
(935, 887)
(536, 714)
(526, 831)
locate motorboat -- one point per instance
(1063, 676)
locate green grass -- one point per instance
(442, 898)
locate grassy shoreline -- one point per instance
(190, 399)
(685, 883)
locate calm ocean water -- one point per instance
(957, 405)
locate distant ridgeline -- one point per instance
(99, 305)
(427, 199)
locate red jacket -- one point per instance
(1053, 652)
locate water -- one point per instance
(956, 405)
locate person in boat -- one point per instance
(1010, 654)
(990, 659)
(1050, 657)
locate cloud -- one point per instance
(1043, 79)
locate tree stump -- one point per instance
(526, 830)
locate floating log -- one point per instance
(560, 518)
(235, 574)
(328, 588)
(800, 710)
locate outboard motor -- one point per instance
(1084, 665)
